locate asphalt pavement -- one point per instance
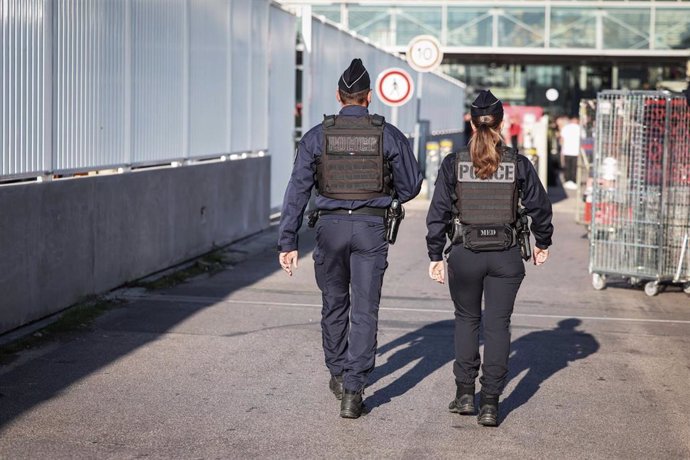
(230, 366)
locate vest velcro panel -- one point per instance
(351, 166)
(486, 201)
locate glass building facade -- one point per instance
(520, 48)
(585, 25)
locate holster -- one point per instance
(313, 217)
(522, 229)
(454, 231)
(394, 215)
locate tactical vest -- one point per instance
(351, 165)
(486, 201)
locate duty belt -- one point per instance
(364, 211)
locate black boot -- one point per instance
(463, 403)
(351, 405)
(336, 386)
(488, 410)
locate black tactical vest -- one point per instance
(352, 166)
(487, 201)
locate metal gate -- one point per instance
(641, 190)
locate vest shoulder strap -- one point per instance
(463, 155)
(377, 120)
(328, 120)
(509, 154)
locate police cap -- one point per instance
(486, 104)
(355, 78)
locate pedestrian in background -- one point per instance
(359, 164)
(515, 129)
(477, 191)
(554, 158)
(570, 151)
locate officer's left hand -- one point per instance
(539, 256)
(437, 272)
(287, 261)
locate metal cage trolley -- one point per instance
(641, 190)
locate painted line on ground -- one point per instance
(216, 300)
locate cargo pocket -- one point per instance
(382, 263)
(317, 256)
(319, 269)
(376, 280)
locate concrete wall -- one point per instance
(62, 240)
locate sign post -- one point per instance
(423, 55)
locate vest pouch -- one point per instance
(480, 238)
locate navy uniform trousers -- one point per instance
(349, 262)
(497, 275)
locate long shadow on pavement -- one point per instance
(430, 346)
(542, 353)
(53, 368)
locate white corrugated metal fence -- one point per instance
(102, 84)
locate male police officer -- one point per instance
(358, 163)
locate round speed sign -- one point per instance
(424, 53)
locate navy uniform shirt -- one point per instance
(535, 201)
(407, 179)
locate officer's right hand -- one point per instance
(437, 272)
(287, 261)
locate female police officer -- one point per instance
(478, 189)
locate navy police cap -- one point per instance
(486, 104)
(355, 78)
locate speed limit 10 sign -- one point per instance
(424, 53)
